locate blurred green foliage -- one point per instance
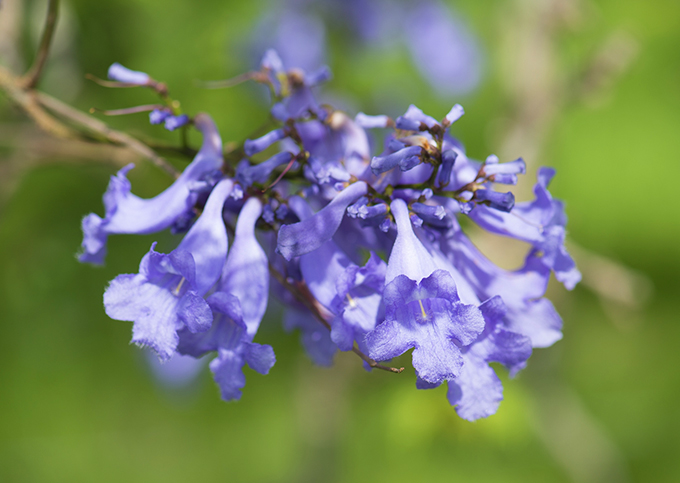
(77, 402)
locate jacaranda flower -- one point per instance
(423, 310)
(238, 305)
(130, 214)
(167, 293)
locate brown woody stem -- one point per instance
(31, 78)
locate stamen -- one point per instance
(422, 309)
(179, 286)
(352, 303)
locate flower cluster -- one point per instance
(366, 253)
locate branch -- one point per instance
(96, 126)
(34, 103)
(32, 77)
(234, 81)
(26, 100)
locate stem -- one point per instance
(32, 77)
(285, 170)
(27, 101)
(127, 110)
(106, 83)
(37, 104)
(96, 126)
(234, 81)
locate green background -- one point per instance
(78, 403)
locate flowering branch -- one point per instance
(46, 112)
(436, 294)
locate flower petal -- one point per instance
(246, 272)
(308, 235)
(130, 214)
(408, 257)
(476, 392)
(207, 239)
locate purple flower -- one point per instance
(476, 391)
(522, 290)
(254, 146)
(127, 213)
(496, 200)
(175, 122)
(315, 337)
(442, 47)
(122, 74)
(448, 160)
(238, 306)
(167, 293)
(357, 303)
(454, 114)
(517, 166)
(157, 116)
(405, 158)
(248, 174)
(434, 215)
(423, 310)
(308, 235)
(437, 296)
(541, 223)
(428, 317)
(369, 122)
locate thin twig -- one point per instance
(34, 104)
(283, 173)
(127, 110)
(31, 78)
(234, 81)
(302, 294)
(94, 125)
(26, 100)
(168, 148)
(106, 83)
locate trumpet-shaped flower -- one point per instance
(522, 291)
(167, 293)
(423, 310)
(130, 214)
(540, 222)
(308, 235)
(238, 306)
